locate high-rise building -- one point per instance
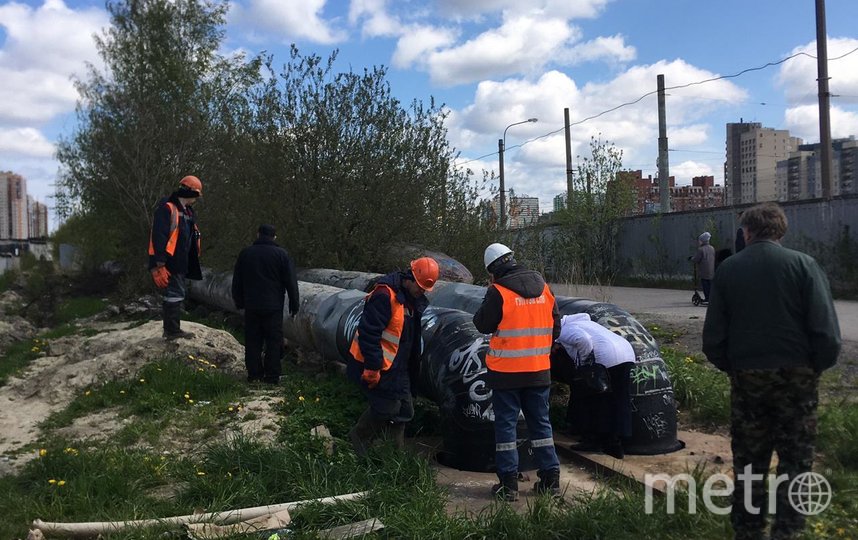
(752, 154)
(523, 210)
(560, 202)
(800, 175)
(14, 215)
(38, 218)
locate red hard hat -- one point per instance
(425, 270)
(193, 183)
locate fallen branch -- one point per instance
(229, 516)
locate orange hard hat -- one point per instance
(192, 183)
(425, 270)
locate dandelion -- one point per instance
(71, 451)
(43, 452)
(142, 381)
(191, 356)
(200, 369)
(61, 483)
(201, 473)
(122, 391)
(230, 409)
(187, 395)
(34, 349)
(52, 481)
(841, 531)
(87, 393)
(317, 399)
(190, 401)
(300, 398)
(159, 369)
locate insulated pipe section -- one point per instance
(654, 425)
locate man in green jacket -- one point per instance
(772, 327)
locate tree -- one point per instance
(148, 118)
(586, 245)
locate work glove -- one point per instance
(161, 276)
(371, 377)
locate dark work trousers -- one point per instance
(706, 285)
(605, 416)
(263, 327)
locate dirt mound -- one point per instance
(75, 362)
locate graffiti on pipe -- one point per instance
(655, 424)
(466, 362)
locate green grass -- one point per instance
(78, 308)
(701, 390)
(157, 389)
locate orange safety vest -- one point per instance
(522, 341)
(173, 239)
(390, 336)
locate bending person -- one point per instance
(603, 420)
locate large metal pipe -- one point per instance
(453, 363)
(654, 427)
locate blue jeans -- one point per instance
(534, 403)
(176, 289)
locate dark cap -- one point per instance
(267, 230)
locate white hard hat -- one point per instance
(495, 252)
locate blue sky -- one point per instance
(492, 63)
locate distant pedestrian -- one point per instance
(174, 251)
(772, 327)
(740, 237)
(385, 353)
(704, 260)
(263, 275)
(520, 313)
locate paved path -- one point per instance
(672, 303)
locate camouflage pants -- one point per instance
(773, 410)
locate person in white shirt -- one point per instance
(602, 420)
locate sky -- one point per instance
(492, 63)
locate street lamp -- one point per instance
(501, 147)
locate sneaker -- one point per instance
(506, 489)
(548, 483)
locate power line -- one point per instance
(687, 85)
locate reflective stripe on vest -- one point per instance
(522, 341)
(173, 238)
(390, 336)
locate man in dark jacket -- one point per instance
(174, 251)
(385, 352)
(772, 327)
(520, 313)
(263, 274)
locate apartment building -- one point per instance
(753, 152)
(14, 212)
(799, 176)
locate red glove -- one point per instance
(161, 276)
(371, 377)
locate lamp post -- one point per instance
(501, 147)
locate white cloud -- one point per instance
(803, 121)
(798, 75)
(419, 42)
(287, 20)
(44, 47)
(520, 45)
(376, 21)
(685, 171)
(551, 8)
(611, 49)
(25, 142)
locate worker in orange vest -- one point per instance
(520, 313)
(385, 352)
(174, 251)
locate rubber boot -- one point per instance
(548, 483)
(365, 431)
(507, 488)
(172, 321)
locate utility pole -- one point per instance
(663, 168)
(569, 187)
(500, 181)
(824, 100)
